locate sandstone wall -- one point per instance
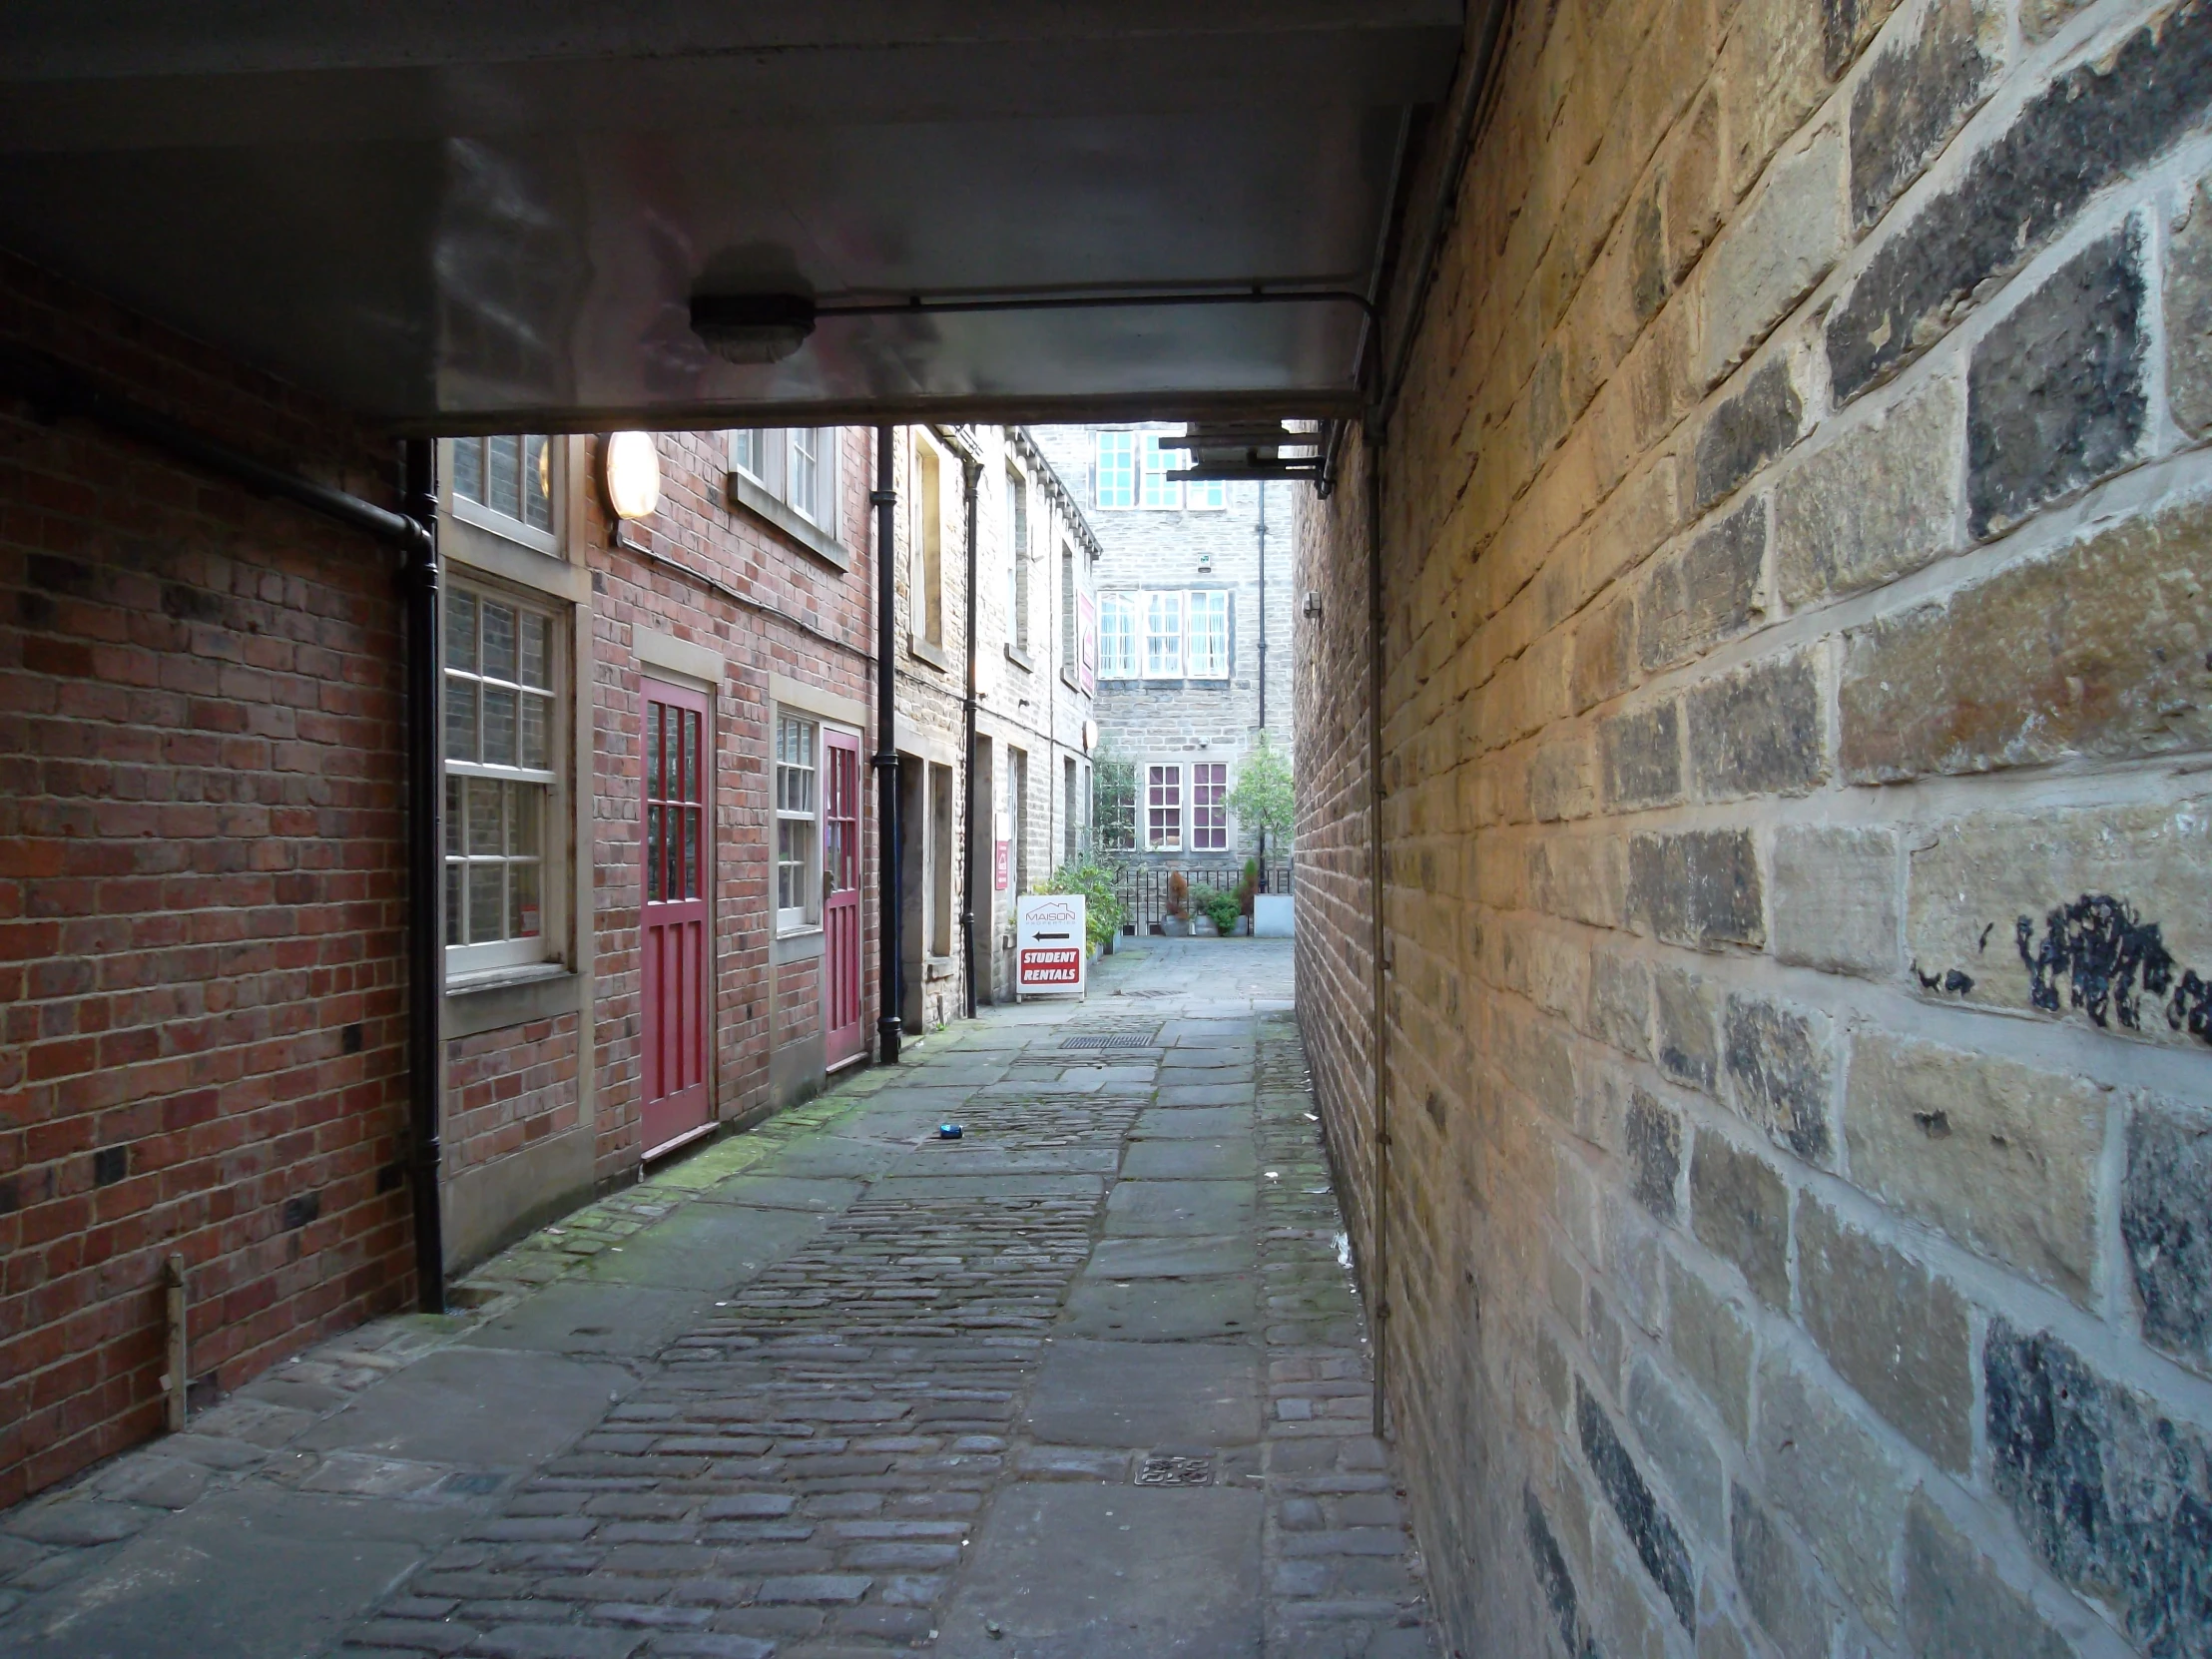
(1797, 570)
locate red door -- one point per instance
(843, 1036)
(676, 996)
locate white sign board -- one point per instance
(1050, 946)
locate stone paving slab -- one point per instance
(1093, 1375)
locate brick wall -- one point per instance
(201, 896)
(507, 1089)
(1796, 587)
(792, 614)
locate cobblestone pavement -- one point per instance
(1089, 1381)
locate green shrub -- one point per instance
(1224, 910)
(1102, 910)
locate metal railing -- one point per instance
(1145, 889)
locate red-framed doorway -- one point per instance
(844, 1031)
(676, 995)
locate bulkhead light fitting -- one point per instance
(753, 327)
(630, 469)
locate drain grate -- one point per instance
(1173, 1468)
(1124, 1040)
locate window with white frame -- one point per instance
(1209, 809)
(1159, 457)
(1117, 468)
(1117, 636)
(797, 466)
(505, 484)
(1204, 495)
(798, 819)
(1163, 809)
(1017, 559)
(1208, 654)
(1163, 635)
(501, 778)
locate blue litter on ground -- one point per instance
(949, 1131)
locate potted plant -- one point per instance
(1225, 911)
(1177, 922)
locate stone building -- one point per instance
(1032, 669)
(1787, 1183)
(1191, 605)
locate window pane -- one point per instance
(456, 906)
(486, 838)
(653, 855)
(460, 719)
(805, 470)
(487, 910)
(537, 651)
(537, 483)
(503, 481)
(499, 726)
(499, 642)
(525, 807)
(522, 901)
(745, 451)
(461, 630)
(692, 756)
(1158, 489)
(690, 852)
(453, 816)
(468, 468)
(537, 726)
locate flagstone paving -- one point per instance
(1089, 1381)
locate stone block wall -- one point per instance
(1796, 591)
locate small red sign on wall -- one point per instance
(1002, 864)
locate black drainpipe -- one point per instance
(1262, 488)
(425, 871)
(885, 760)
(55, 391)
(974, 470)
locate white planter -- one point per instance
(1201, 928)
(1273, 915)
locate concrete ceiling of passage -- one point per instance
(469, 215)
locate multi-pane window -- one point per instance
(1207, 656)
(1017, 558)
(1163, 635)
(1071, 623)
(796, 464)
(1201, 495)
(1163, 809)
(500, 718)
(1209, 813)
(798, 801)
(1156, 488)
(675, 804)
(1117, 636)
(1117, 468)
(805, 493)
(511, 476)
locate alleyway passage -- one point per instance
(1088, 1381)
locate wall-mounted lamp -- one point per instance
(630, 471)
(1312, 603)
(1090, 735)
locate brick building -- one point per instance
(206, 1038)
(1190, 604)
(1792, 1173)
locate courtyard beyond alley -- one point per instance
(1090, 1380)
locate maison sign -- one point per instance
(1049, 944)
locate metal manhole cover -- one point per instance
(1172, 1468)
(1121, 1041)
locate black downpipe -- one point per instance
(425, 872)
(1263, 656)
(885, 760)
(974, 472)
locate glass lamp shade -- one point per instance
(630, 463)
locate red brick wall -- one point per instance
(798, 1000)
(508, 1089)
(696, 527)
(201, 1044)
